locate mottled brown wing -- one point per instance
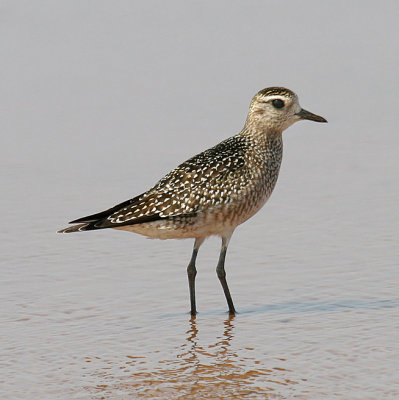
(202, 181)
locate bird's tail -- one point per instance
(93, 222)
(76, 228)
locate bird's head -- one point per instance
(277, 108)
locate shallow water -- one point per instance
(105, 314)
(99, 104)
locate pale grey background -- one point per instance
(99, 99)
(117, 84)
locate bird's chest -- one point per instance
(262, 179)
(270, 167)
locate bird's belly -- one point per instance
(213, 221)
(202, 225)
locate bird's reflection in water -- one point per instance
(213, 358)
(200, 368)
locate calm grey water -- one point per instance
(99, 102)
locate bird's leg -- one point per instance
(222, 273)
(192, 272)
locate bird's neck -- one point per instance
(262, 133)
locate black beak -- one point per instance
(303, 114)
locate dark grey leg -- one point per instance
(192, 272)
(222, 273)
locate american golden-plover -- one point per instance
(215, 191)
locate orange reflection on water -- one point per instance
(196, 371)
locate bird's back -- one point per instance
(213, 191)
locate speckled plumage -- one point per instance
(207, 194)
(216, 190)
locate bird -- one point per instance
(214, 191)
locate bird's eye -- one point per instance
(277, 103)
